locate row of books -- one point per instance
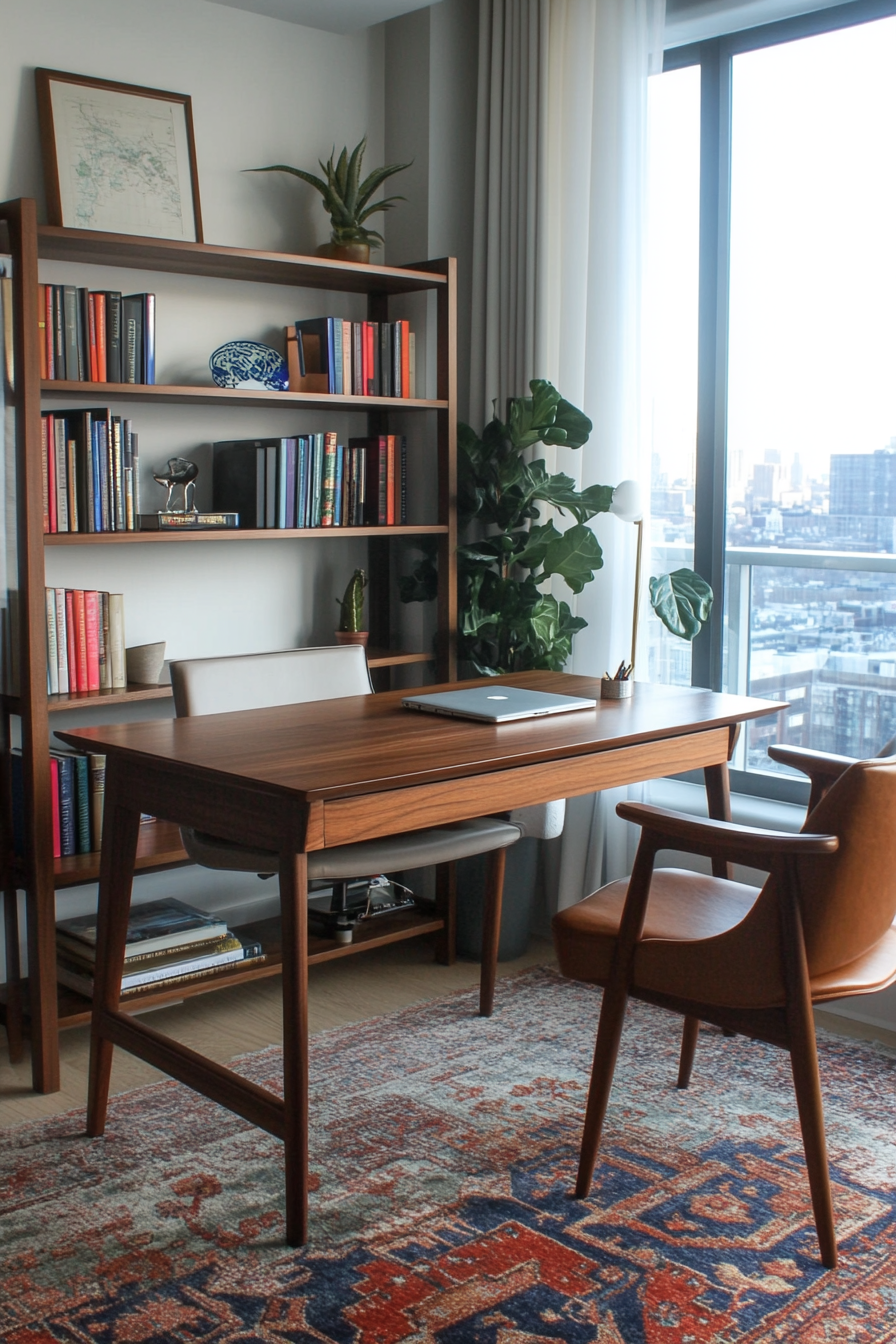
(101, 336)
(168, 942)
(362, 359)
(85, 641)
(312, 481)
(91, 479)
(77, 791)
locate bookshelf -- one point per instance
(25, 696)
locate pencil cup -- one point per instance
(616, 690)
(144, 663)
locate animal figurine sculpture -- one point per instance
(178, 471)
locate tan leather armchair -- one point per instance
(751, 961)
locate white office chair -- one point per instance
(297, 676)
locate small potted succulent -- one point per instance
(346, 200)
(351, 611)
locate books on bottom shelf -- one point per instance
(168, 943)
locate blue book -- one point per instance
(68, 830)
(317, 480)
(332, 384)
(291, 447)
(82, 803)
(149, 338)
(335, 326)
(96, 477)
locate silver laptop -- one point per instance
(496, 703)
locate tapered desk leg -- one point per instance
(294, 920)
(121, 826)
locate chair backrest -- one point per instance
(848, 899)
(261, 680)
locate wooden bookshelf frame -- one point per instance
(26, 694)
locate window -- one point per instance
(789, 399)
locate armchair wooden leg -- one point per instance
(689, 1035)
(491, 929)
(804, 1067)
(609, 1033)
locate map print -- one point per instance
(123, 167)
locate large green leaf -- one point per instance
(531, 416)
(536, 547)
(574, 556)
(682, 600)
(571, 426)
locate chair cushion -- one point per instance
(413, 849)
(683, 907)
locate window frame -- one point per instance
(714, 58)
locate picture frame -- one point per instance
(118, 158)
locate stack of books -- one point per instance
(361, 359)
(312, 481)
(91, 471)
(85, 641)
(89, 337)
(168, 943)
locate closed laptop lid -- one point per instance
(496, 703)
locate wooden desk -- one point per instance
(305, 777)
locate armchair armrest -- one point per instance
(821, 764)
(722, 839)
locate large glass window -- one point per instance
(798, 448)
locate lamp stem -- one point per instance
(639, 524)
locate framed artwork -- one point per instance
(118, 158)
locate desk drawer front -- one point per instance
(349, 819)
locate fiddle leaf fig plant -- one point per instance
(507, 623)
(345, 197)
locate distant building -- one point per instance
(864, 484)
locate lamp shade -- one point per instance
(627, 501)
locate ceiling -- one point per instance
(333, 16)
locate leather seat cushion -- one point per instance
(413, 849)
(683, 906)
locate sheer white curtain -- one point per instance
(560, 172)
(600, 55)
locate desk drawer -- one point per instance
(349, 819)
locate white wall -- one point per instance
(263, 91)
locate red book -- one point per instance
(92, 639)
(54, 795)
(80, 612)
(390, 479)
(50, 332)
(99, 301)
(91, 325)
(405, 357)
(367, 356)
(71, 640)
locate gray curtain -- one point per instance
(510, 165)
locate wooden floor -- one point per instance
(233, 1022)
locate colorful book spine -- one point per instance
(97, 768)
(61, 642)
(82, 804)
(52, 647)
(92, 638)
(328, 492)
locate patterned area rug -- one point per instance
(444, 1150)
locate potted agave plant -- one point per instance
(346, 200)
(351, 611)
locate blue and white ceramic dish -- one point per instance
(249, 364)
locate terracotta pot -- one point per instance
(359, 252)
(351, 637)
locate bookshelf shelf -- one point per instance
(190, 394)
(241, 534)
(159, 846)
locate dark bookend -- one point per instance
(113, 336)
(313, 350)
(239, 479)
